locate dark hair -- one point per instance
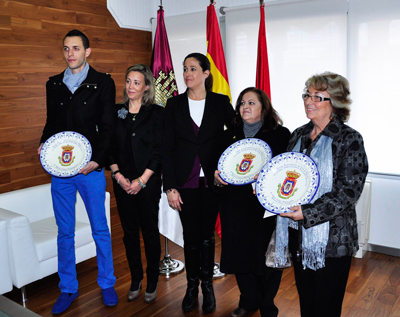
(83, 37)
(338, 89)
(205, 65)
(269, 117)
(149, 94)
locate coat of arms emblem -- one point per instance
(287, 189)
(246, 165)
(66, 157)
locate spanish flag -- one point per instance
(262, 77)
(215, 53)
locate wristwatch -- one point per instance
(114, 173)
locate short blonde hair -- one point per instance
(338, 89)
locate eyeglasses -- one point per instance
(315, 98)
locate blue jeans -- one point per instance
(92, 189)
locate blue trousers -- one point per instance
(92, 189)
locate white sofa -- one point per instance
(32, 233)
(5, 274)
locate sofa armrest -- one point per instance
(24, 263)
(5, 273)
(34, 202)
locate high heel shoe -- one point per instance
(149, 297)
(132, 295)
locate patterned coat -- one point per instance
(350, 168)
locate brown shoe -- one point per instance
(239, 312)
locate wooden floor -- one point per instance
(373, 289)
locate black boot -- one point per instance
(192, 292)
(209, 303)
(207, 271)
(192, 264)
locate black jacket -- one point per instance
(245, 232)
(145, 139)
(90, 111)
(180, 144)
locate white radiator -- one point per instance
(363, 209)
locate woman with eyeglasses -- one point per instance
(323, 234)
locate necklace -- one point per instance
(134, 116)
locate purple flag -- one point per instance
(161, 64)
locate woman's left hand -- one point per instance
(296, 215)
(134, 188)
(218, 180)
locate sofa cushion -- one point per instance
(45, 237)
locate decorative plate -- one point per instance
(288, 180)
(243, 160)
(64, 154)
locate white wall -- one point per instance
(373, 67)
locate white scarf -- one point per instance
(315, 239)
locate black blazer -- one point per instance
(145, 139)
(180, 144)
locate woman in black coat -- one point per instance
(245, 233)
(193, 122)
(135, 163)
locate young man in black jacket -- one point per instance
(81, 99)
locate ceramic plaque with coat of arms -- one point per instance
(64, 154)
(242, 160)
(287, 180)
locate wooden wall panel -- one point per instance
(31, 33)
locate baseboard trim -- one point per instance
(384, 250)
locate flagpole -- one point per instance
(215, 54)
(262, 69)
(168, 265)
(165, 86)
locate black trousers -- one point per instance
(258, 292)
(198, 216)
(321, 292)
(140, 212)
(199, 212)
